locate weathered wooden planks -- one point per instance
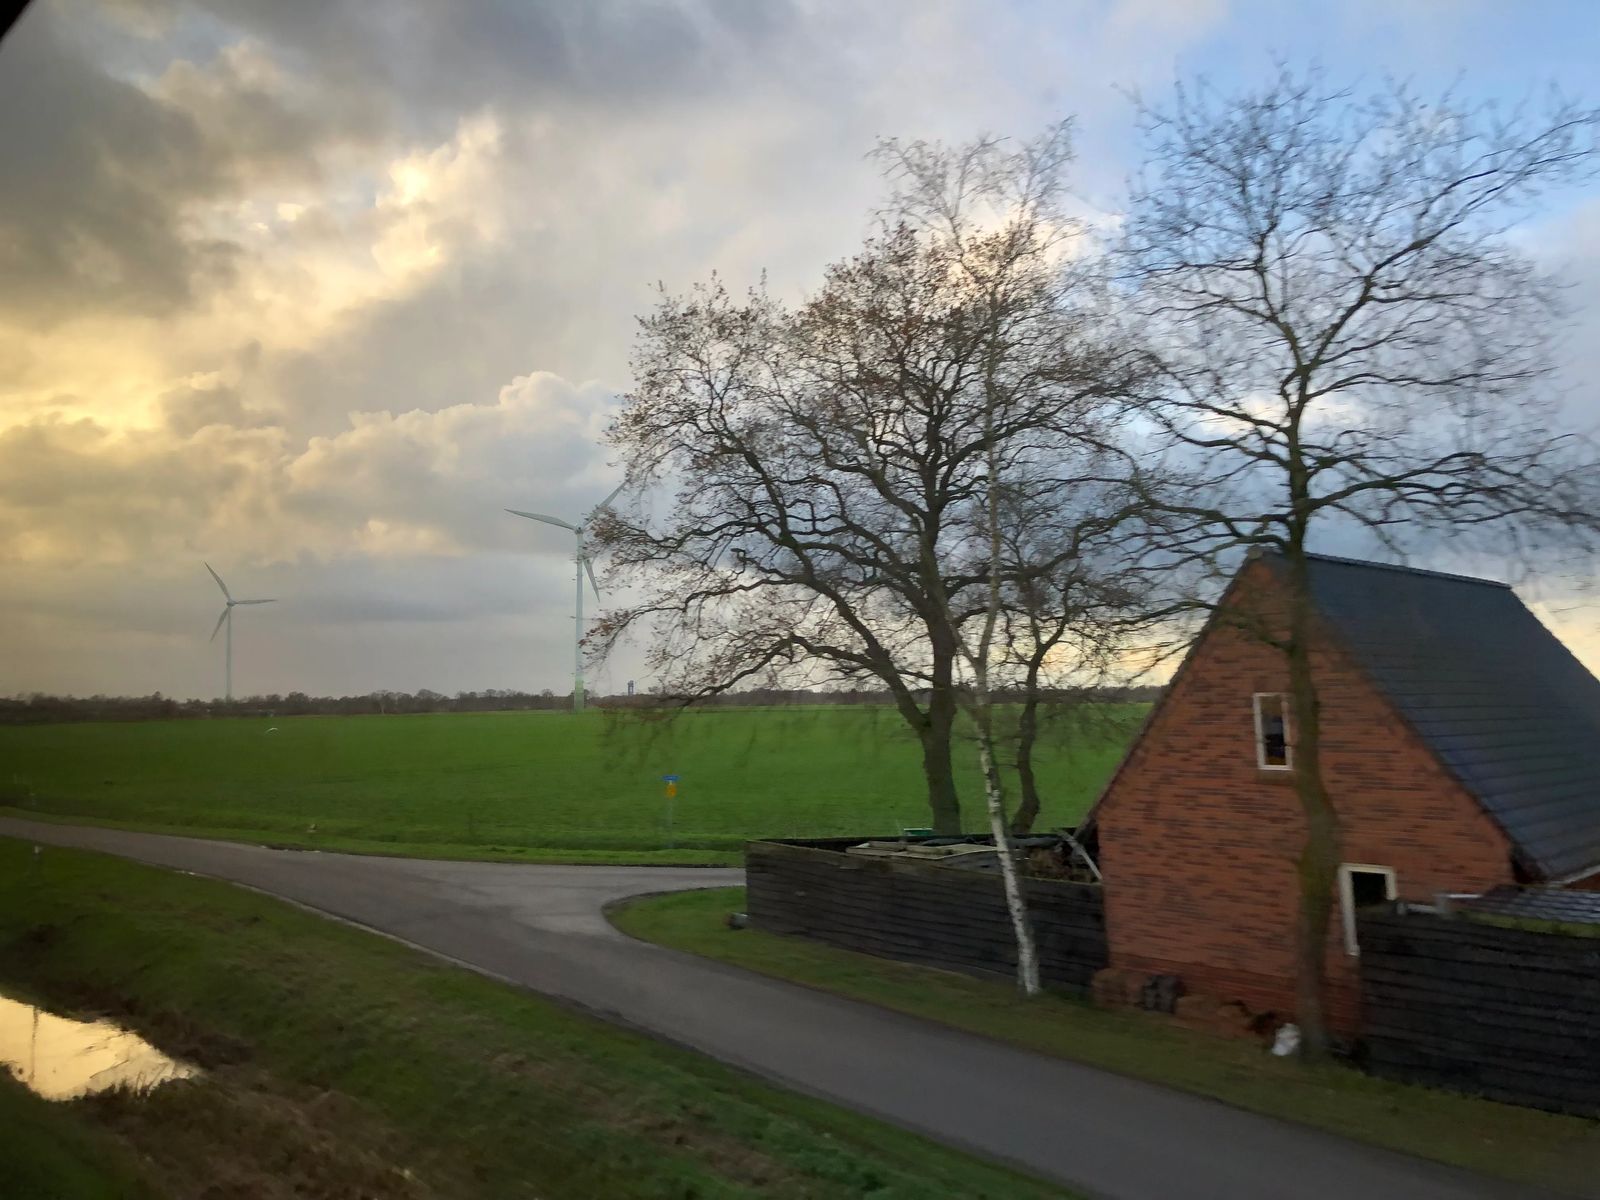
(1512, 1014)
(916, 912)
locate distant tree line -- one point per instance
(38, 708)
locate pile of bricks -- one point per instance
(1210, 1015)
(1116, 987)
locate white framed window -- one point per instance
(1361, 885)
(1272, 731)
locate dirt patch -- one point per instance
(241, 1135)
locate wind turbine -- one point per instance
(584, 566)
(227, 619)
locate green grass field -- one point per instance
(525, 785)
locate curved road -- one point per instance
(542, 927)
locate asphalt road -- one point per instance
(542, 927)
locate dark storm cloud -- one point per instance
(446, 58)
(99, 163)
(92, 167)
(99, 167)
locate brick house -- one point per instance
(1461, 747)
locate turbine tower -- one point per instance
(584, 565)
(227, 619)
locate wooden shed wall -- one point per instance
(915, 912)
(1508, 1013)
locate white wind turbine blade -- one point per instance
(617, 491)
(268, 600)
(218, 627)
(218, 578)
(588, 565)
(517, 512)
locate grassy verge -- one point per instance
(1516, 1143)
(338, 1064)
(50, 1153)
(732, 856)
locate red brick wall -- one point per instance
(1198, 845)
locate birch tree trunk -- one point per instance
(995, 802)
(983, 716)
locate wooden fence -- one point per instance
(1508, 1013)
(916, 912)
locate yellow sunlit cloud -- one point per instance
(296, 285)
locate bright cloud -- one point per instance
(73, 491)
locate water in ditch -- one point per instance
(61, 1058)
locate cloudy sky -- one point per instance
(312, 290)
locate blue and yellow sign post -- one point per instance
(672, 794)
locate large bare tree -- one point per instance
(996, 212)
(828, 461)
(1350, 339)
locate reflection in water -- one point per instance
(60, 1058)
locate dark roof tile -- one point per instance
(1496, 696)
(1538, 904)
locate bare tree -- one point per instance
(829, 462)
(1350, 341)
(1077, 619)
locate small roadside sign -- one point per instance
(672, 794)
